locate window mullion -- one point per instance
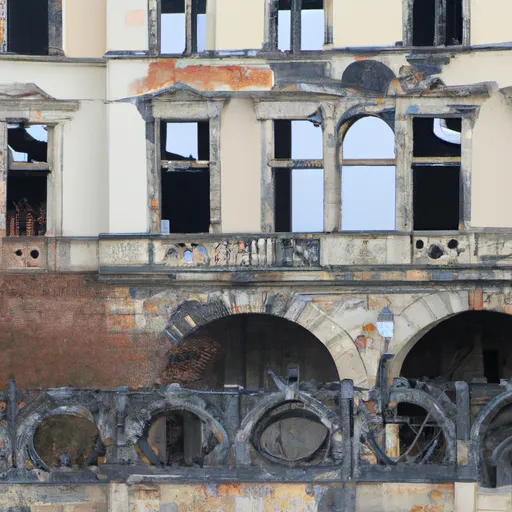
(440, 26)
(295, 26)
(190, 27)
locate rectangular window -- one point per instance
(182, 26)
(300, 25)
(27, 180)
(436, 23)
(27, 26)
(436, 174)
(298, 177)
(185, 176)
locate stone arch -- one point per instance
(420, 317)
(300, 309)
(371, 76)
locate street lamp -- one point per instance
(385, 326)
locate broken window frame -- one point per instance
(440, 26)
(363, 162)
(324, 113)
(155, 27)
(184, 111)
(55, 41)
(271, 26)
(52, 113)
(405, 161)
(39, 169)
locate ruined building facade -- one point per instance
(255, 255)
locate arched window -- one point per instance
(368, 177)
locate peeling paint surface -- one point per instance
(169, 72)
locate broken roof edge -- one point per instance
(23, 91)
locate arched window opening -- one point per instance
(472, 346)
(239, 350)
(65, 441)
(368, 177)
(437, 23)
(175, 439)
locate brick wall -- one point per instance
(57, 330)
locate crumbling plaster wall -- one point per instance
(85, 28)
(84, 141)
(489, 22)
(127, 25)
(96, 324)
(367, 23)
(231, 497)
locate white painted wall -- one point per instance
(367, 23)
(490, 21)
(85, 172)
(128, 211)
(491, 174)
(241, 168)
(127, 25)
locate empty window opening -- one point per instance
(65, 441)
(240, 349)
(433, 26)
(178, 438)
(368, 176)
(312, 25)
(27, 27)
(27, 180)
(454, 22)
(299, 183)
(436, 173)
(421, 439)
(311, 18)
(174, 30)
(185, 155)
(424, 22)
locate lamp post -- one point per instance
(386, 326)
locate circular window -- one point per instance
(68, 441)
(292, 434)
(176, 438)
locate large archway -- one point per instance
(472, 346)
(241, 349)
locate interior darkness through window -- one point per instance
(454, 22)
(436, 185)
(27, 27)
(468, 346)
(424, 22)
(186, 193)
